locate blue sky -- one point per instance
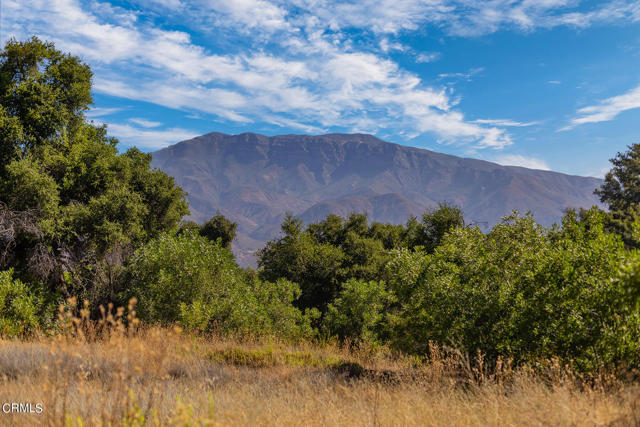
(549, 84)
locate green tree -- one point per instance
(219, 227)
(435, 224)
(299, 258)
(73, 207)
(621, 193)
(43, 95)
(332, 251)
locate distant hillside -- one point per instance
(254, 179)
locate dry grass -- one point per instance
(164, 377)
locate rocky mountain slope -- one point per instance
(254, 179)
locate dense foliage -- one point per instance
(621, 193)
(520, 291)
(21, 308)
(328, 253)
(72, 208)
(193, 281)
(359, 313)
(80, 219)
(218, 227)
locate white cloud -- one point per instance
(380, 16)
(326, 85)
(607, 109)
(505, 123)
(426, 57)
(554, 82)
(522, 161)
(316, 79)
(465, 17)
(168, 4)
(462, 76)
(149, 139)
(144, 122)
(100, 112)
(249, 13)
(386, 46)
(180, 96)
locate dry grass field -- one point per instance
(165, 377)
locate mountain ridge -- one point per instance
(254, 179)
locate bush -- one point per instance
(19, 307)
(188, 279)
(521, 291)
(358, 312)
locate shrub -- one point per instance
(190, 280)
(358, 312)
(19, 307)
(521, 291)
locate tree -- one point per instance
(435, 224)
(621, 192)
(330, 252)
(43, 95)
(219, 227)
(72, 207)
(300, 258)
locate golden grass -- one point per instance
(164, 377)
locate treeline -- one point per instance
(80, 220)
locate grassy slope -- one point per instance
(161, 377)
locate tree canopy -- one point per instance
(219, 227)
(621, 193)
(72, 207)
(328, 253)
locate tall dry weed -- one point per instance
(114, 371)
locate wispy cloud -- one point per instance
(467, 18)
(522, 161)
(101, 112)
(461, 76)
(317, 82)
(387, 45)
(505, 123)
(250, 14)
(316, 79)
(425, 57)
(149, 139)
(607, 109)
(145, 123)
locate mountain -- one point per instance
(254, 179)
